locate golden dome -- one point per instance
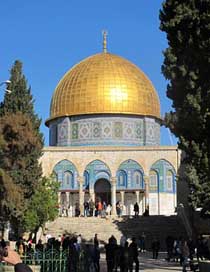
(104, 83)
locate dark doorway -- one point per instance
(102, 190)
(63, 199)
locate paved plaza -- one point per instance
(148, 264)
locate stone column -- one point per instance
(81, 194)
(113, 194)
(59, 198)
(122, 194)
(92, 194)
(146, 181)
(59, 203)
(67, 199)
(137, 197)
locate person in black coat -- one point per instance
(155, 248)
(124, 258)
(110, 254)
(133, 255)
(14, 259)
(136, 209)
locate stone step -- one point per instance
(152, 226)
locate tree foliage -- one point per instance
(11, 197)
(186, 66)
(21, 144)
(43, 205)
(18, 170)
(20, 98)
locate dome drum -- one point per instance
(105, 130)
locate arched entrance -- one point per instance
(102, 190)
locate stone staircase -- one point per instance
(152, 226)
(157, 226)
(86, 226)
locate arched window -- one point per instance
(153, 180)
(169, 181)
(137, 179)
(68, 178)
(122, 179)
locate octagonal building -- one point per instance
(105, 139)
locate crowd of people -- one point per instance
(185, 251)
(122, 256)
(90, 208)
(84, 256)
(99, 209)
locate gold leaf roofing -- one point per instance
(104, 83)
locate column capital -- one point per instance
(146, 179)
(113, 180)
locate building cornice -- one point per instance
(108, 148)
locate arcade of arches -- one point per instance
(129, 184)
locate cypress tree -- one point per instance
(186, 66)
(16, 141)
(22, 145)
(20, 100)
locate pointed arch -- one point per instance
(97, 169)
(166, 176)
(67, 175)
(98, 163)
(133, 172)
(166, 163)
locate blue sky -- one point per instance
(50, 36)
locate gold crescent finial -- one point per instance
(104, 32)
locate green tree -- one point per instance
(43, 206)
(186, 66)
(18, 140)
(20, 98)
(23, 142)
(11, 203)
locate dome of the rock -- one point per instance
(104, 83)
